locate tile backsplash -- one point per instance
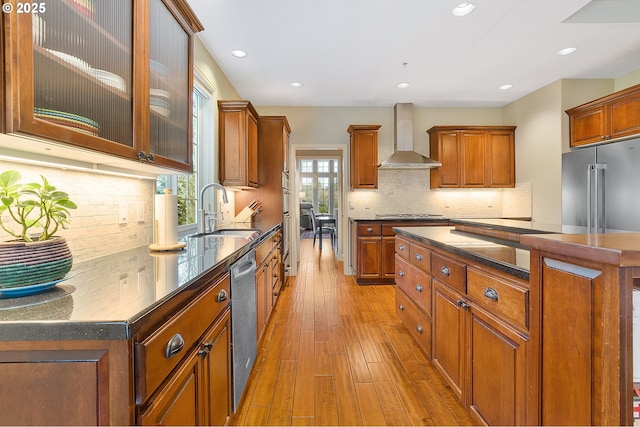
(407, 191)
(98, 227)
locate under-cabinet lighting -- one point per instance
(72, 168)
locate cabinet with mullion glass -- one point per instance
(107, 76)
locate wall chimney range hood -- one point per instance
(404, 157)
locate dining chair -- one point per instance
(316, 228)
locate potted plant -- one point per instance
(31, 214)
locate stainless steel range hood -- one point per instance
(404, 157)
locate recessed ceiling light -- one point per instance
(297, 84)
(505, 87)
(567, 51)
(463, 9)
(239, 53)
(403, 85)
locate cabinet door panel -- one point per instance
(448, 333)
(364, 156)
(624, 116)
(177, 402)
(449, 172)
(75, 77)
(567, 332)
(501, 159)
(216, 369)
(369, 257)
(587, 126)
(169, 86)
(388, 257)
(472, 151)
(497, 363)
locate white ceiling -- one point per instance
(351, 52)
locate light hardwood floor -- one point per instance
(335, 353)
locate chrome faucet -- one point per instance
(202, 215)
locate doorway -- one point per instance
(319, 183)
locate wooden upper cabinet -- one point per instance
(611, 117)
(473, 156)
(364, 156)
(238, 143)
(113, 77)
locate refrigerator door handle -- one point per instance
(600, 221)
(590, 169)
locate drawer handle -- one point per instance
(401, 273)
(445, 270)
(401, 247)
(175, 344)
(419, 257)
(222, 295)
(419, 288)
(491, 293)
(369, 230)
(401, 307)
(419, 329)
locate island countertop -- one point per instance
(109, 297)
(478, 248)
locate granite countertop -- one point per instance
(111, 296)
(391, 218)
(520, 227)
(481, 249)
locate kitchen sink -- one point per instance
(247, 233)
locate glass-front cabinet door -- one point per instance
(72, 67)
(110, 76)
(170, 86)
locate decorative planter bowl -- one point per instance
(32, 263)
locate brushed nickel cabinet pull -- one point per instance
(491, 293)
(445, 270)
(175, 344)
(419, 288)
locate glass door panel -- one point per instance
(169, 86)
(82, 68)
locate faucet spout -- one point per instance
(202, 216)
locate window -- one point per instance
(186, 185)
(319, 183)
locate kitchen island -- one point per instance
(528, 326)
(129, 338)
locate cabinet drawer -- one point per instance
(158, 354)
(449, 271)
(415, 283)
(418, 325)
(502, 297)
(402, 247)
(369, 229)
(420, 257)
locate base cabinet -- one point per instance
(477, 320)
(268, 279)
(65, 383)
(199, 393)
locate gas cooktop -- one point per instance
(407, 216)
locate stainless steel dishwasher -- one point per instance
(243, 321)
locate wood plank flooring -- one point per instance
(335, 353)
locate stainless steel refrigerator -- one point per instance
(601, 187)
